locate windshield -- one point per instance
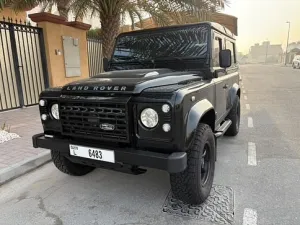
(180, 43)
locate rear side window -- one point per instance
(231, 46)
(216, 51)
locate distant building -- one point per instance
(292, 50)
(265, 53)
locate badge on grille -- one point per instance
(107, 126)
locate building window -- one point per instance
(216, 52)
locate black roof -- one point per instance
(216, 26)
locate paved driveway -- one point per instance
(260, 167)
(24, 122)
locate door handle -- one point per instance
(225, 86)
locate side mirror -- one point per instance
(225, 58)
(105, 64)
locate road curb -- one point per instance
(23, 167)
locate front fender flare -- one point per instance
(194, 116)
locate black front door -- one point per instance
(222, 87)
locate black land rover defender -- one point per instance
(166, 96)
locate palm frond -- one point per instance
(19, 5)
(2, 4)
(133, 11)
(132, 18)
(47, 7)
(81, 8)
(140, 17)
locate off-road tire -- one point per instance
(68, 167)
(234, 115)
(188, 186)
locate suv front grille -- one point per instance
(101, 121)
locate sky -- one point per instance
(260, 20)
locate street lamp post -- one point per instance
(287, 43)
(267, 48)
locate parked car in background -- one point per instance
(296, 62)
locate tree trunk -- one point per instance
(64, 13)
(63, 8)
(110, 27)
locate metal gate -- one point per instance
(94, 46)
(23, 70)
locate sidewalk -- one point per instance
(287, 65)
(17, 156)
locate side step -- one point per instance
(223, 128)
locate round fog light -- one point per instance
(44, 117)
(166, 127)
(42, 102)
(165, 108)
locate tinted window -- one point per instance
(231, 47)
(183, 42)
(216, 51)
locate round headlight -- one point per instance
(149, 118)
(55, 111)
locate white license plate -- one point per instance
(93, 153)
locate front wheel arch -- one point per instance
(202, 111)
(209, 118)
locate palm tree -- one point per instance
(110, 13)
(2, 3)
(17, 5)
(63, 6)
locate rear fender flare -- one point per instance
(233, 92)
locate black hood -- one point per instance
(130, 81)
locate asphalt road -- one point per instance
(261, 165)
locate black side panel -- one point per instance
(186, 99)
